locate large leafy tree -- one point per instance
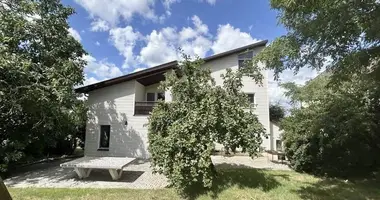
(335, 130)
(341, 35)
(182, 133)
(276, 112)
(40, 63)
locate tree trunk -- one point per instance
(4, 194)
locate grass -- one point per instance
(230, 184)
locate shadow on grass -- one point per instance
(238, 176)
(337, 189)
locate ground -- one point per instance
(237, 179)
(242, 183)
(135, 176)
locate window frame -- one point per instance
(154, 96)
(245, 57)
(254, 98)
(157, 96)
(100, 147)
(277, 149)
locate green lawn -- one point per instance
(231, 184)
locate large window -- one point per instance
(242, 58)
(104, 142)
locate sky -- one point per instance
(125, 36)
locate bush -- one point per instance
(337, 134)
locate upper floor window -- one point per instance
(161, 96)
(242, 58)
(251, 98)
(150, 96)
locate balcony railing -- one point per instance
(144, 107)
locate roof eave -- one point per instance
(165, 66)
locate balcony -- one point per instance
(144, 107)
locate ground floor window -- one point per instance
(104, 141)
(278, 145)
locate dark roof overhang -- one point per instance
(160, 69)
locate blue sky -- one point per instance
(124, 36)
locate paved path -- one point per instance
(137, 175)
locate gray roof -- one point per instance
(161, 68)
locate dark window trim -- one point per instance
(103, 149)
(100, 148)
(254, 99)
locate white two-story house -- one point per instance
(119, 107)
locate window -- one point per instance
(251, 98)
(104, 142)
(278, 145)
(150, 96)
(242, 58)
(161, 96)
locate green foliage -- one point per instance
(342, 35)
(182, 132)
(336, 133)
(40, 63)
(334, 127)
(276, 112)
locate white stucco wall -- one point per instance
(114, 105)
(219, 66)
(139, 92)
(275, 134)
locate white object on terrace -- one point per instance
(84, 165)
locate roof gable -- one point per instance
(161, 68)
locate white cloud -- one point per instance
(229, 38)
(75, 34)
(158, 49)
(99, 25)
(100, 70)
(199, 25)
(112, 11)
(124, 39)
(276, 93)
(138, 69)
(168, 3)
(162, 46)
(90, 80)
(97, 43)
(211, 2)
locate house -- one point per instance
(119, 107)
(276, 133)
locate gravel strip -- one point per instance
(137, 175)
